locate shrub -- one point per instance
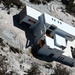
(48, 0)
(35, 1)
(66, 2)
(48, 65)
(1, 42)
(3, 65)
(70, 6)
(40, 1)
(0, 1)
(9, 3)
(18, 3)
(1, 73)
(15, 50)
(34, 70)
(44, 2)
(60, 70)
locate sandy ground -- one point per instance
(13, 35)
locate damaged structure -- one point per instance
(52, 37)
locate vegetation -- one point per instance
(60, 70)
(39, 1)
(10, 3)
(1, 73)
(67, 2)
(15, 50)
(34, 70)
(48, 65)
(3, 65)
(10, 73)
(35, 1)
(1, 42)
(70, 6)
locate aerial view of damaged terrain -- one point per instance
(37, 37)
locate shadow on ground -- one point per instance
(23, 26)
